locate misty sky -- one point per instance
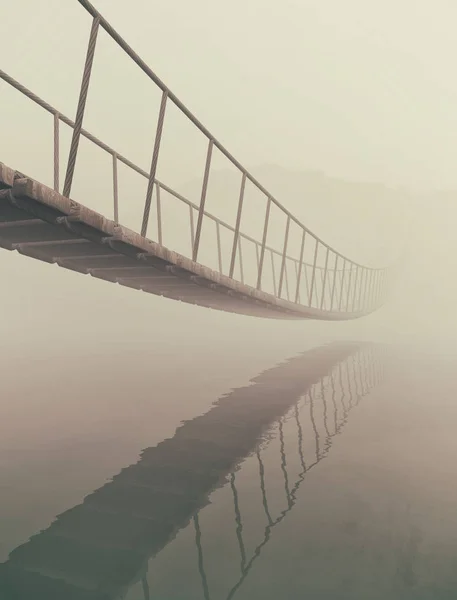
(358, 90)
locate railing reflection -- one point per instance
(362, 373)
(99, 549)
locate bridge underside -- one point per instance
(40, 223)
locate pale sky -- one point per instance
(360, 89)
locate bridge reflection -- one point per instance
(100, 549)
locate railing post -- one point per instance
(274, 273)
(365, 290)
(237, 226)
(355, 287)
(284, 252)
(296, 277)
(313, 275)
(219, 249)
(81, 107)
(56, 152)
(334, 282)
(349, 287)
(241, 260)
(300, 266)
(286, 279)
(325, 277)
(381, 287)
(371, 289)
(159, 214)
(359, 299)
(192, 228)
(115, 190)
(376, 298)
(264, 241)
(154, 161)
(202, 201)
(342, 285)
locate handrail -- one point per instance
(181, 106)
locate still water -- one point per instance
(330, 474)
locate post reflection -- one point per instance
(99, 549)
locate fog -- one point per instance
(343, 110)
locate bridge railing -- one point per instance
(312, 274)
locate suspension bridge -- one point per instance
(101, 548)
(311, 280)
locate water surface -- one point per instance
(328, 475)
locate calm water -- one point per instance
(329, 475)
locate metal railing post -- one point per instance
(284, 252)
(192, 228)
(81, 107)
(355, 288)
(342, 285)
(334, 281)
(325, 277)
(154, 161)
(371, 288)
(115, 190)
(300, 266)
(313, 275)
(56, 152)
(241, 260)
(359, 298)
(349, 287)
(286, 279)
(264, 240)
(237, 226)
(159, 214)
(274, 273)
(202, 201)
(219, 248)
